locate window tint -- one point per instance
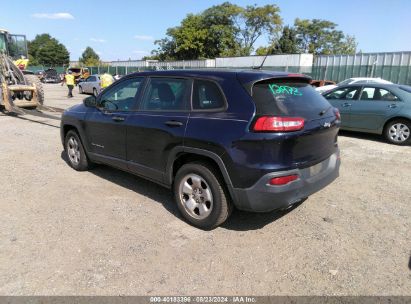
(169, 94)
(377, 94)
(288, 97)
(367, 94)
(345, 93)
(122, 96)
(207, 95)
(387, 95)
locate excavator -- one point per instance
(17, 90)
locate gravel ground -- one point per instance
(106, 232)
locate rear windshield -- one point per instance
(288, 97)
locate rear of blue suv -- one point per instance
(256, 140)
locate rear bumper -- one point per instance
(262, 197)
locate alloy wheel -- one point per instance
(196, 196)
(399, 132)
(73, 151)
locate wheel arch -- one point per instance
(66, 127)
(392, 119)
(183, 155)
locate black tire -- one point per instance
(35, 81)
(221, 206)
(80, 89)
(83, 162)
(95, 92)
(400, 139)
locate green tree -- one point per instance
(318, 36)
(221, 30)
(253, 22)
(46, 50)
(89, 57)
(287, 44)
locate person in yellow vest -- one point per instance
(22, 63)
(69, 80)
(105, 80)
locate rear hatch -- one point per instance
(298, 125)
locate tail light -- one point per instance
(278, 124)
(283, 180)
(337, 113)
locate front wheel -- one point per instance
(75, 153)
(398, 132)
(95, 92)
(200, 196)
(80, 89)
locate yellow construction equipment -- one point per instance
(17, 89)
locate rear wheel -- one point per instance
(200, 196)
(75, 153)
(95, 92)
(80, 89)
(398, 132)
(33, 80)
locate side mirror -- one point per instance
(90, 102)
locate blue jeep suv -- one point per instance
(256, 140)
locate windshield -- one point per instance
(2, 43)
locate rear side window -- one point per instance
(166, 94)
(288, 97)
(207, 96)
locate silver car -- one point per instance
(90, 86)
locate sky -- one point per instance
(124, 29)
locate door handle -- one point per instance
(118, 118)
(392, 106)
(173, 123)
(346, 104)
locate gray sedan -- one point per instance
(90, 86)
(375, 108)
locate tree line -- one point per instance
(231, 30)
(48, 51)
(220, 31)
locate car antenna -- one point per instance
(265, 57)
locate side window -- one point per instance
(386, 95)
(207, 95)
(122, 96)
(367, 93)
(91, 79)
(345, 93)
(168, 94)
(377, 94)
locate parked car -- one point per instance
(256, 140)
(91, 85)
(50, 76)
(354, 80)
(375, 108)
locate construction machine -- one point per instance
(16, 89)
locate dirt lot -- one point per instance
(106, 232)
